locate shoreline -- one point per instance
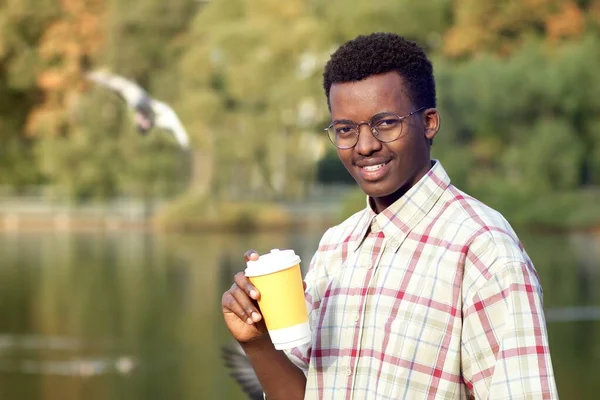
(11, 223)
(60, 223)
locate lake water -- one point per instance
(134, 315)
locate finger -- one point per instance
(230, 304)
(251, 255)
(244, 283)
(246, 304)
(304, 285)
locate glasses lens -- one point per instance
(388, 126)
(343, 134)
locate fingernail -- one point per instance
(253, 294)
(249, 321)
(256, 316)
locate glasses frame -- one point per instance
(372, 129)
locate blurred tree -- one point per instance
(252, 83)
(22, 24)
(528, 122)
(331, 170)
(144, 42)
(66, 48)
(502, 26)
(88, 147)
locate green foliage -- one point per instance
(100, 155)
(561, 210)
(145, 40)
(20, 32)
(331, 170)
(523, 124)
(87, 164)
(252, 72)
(549, 157)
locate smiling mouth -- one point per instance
(373, 172)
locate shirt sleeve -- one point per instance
(300, 355)
(505, 353)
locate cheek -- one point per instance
(409, 149)
(346, 161)
(345, 156)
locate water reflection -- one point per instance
(572, 314)
(16, 349)
(137, 316)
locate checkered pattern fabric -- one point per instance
(434, 298)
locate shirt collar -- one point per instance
(401, 217)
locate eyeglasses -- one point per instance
(386, 127)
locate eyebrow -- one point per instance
(372, 116)
(343, 120)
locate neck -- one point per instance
(381, 203)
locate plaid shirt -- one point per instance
(435, 297)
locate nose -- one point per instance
(367, 142)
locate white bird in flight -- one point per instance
(149, 113)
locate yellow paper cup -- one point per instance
(278, 277)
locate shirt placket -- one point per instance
(370, 254)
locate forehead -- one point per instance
(372, 95)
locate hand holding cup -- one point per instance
(240, 309)
(271, 283)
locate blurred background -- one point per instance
(115, 247)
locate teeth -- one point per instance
(373, 167)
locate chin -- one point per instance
(388, 193)
(376, 190)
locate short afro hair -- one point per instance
(379, 53)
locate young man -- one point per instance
(427, 292)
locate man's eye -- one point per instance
(388, 123)
(344, 130)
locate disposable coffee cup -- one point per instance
(278, 277)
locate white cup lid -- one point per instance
(276, 260)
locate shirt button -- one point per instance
(356, 318)
(348, 372)
(394, 243)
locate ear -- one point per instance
(431, 119)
